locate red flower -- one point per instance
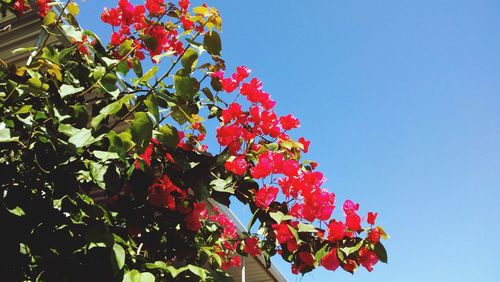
(265, 196)
(289, 122)
(291, 168)
(193, 219)
(336, 230)
(283, 233)
(237, 166)
(330, 261)
(228, 134)
(184, 4)
(367, 258)
(353, 221)
(305, 144)
(371, 218)
(163, 193)
(307, 259)
(349, 265)
(242, 72)
(20, 7)
(264, 167)
(232, 112)
(155, 7)
(43, 7)
(252, 246)
(374, 235)
(229, 84)
(187, 24)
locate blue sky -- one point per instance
(401, 100)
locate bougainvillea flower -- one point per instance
(374, 235)
(367, 258)
(353, 221)
(237, 165)
(283, 233)
(20, 7)
(289, 122)
(265, 196)
(336, 230)
(330, 261)
(371, 218)
(252, 246)
(350, 207)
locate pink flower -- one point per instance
(237, 166)
(265, 196)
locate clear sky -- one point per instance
(401, 100)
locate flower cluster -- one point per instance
(21, 6)
(151, 34)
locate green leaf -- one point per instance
(142, 130)
(321, 253)
(5, 135)
(221, 185)
(81, 138)
(132, 276)
(67, 89)
(306, 227)
(169, 136)
(349, 250)
(189, 59)
(147, 277)
(104, 155)
(200, 272)
(147, 76)
(24, 109)
(279, 216)
(212, 43)
(186, 86)
(23, 50)
(72, 32)
(379, 249)
(137, 67)
(119, 255)
(108, 82)
(126, 47)
(68, 129)
(73, 8)
(17, 211)
(50, 18)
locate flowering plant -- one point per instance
(87, 120)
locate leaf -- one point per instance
(147, 76)
(169, 136)
(383, 234)
(221, 185)
(108, 82)
(5, 136)
(24, 109)
(17, 211)
(379, 249)
(119, 255)
(137, 67)
(50, 18)
(132, 276)
(67, 89)
(147, 277)
(142, 130)
(73, 8)
(279, 216)
(72, 32)
(321, 253)
(67, 129)
(349, 250)
(81, 138)
(104, 155)
(200, 272)
(126, 47)
(212, 43)
(23, 50)
(306, 227)
(186, 86)
(189, 59)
